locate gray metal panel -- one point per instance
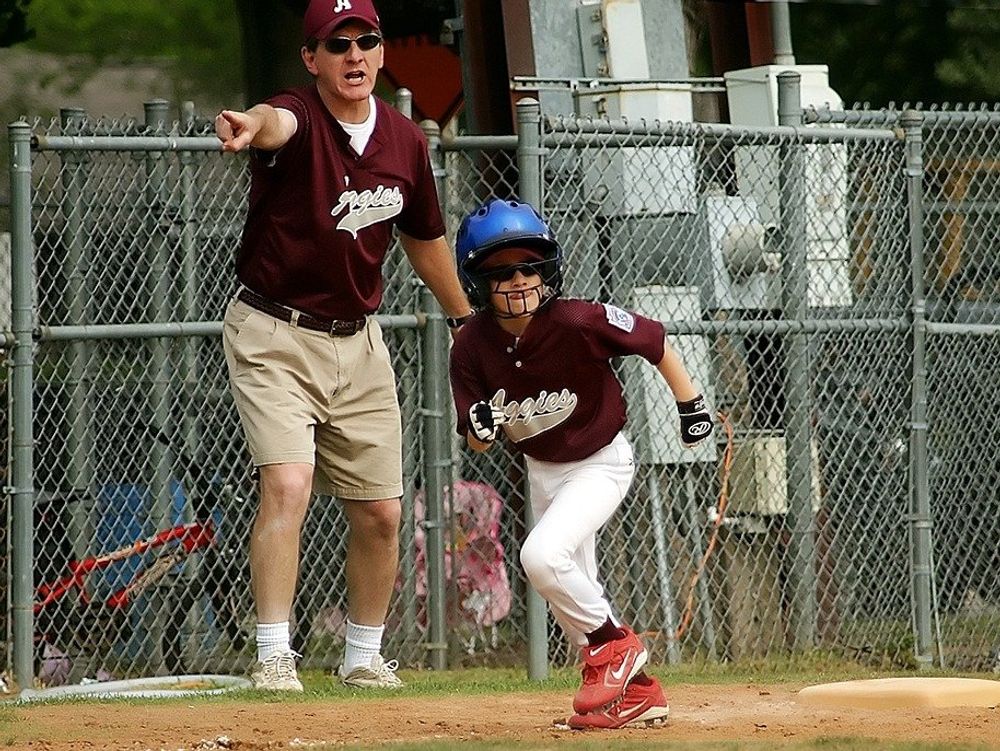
(666, 47)
(561, 53)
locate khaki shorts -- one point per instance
(306, 396)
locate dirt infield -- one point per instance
(762, 713)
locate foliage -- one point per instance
(201, 39)
(901, 52)
(14, 22)
(972, 64)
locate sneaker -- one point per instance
(277, 673)
(607, 669)
(639, 706)
(378, 674)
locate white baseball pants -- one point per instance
(571, 501)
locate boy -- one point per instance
(539, 367)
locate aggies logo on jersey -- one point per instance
(532, 416)
(367, 208)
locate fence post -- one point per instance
(158, 284)
(530, 170)
(22, 489)
(436, 448)
(76, 265)
(190, 281)
(798, 434)
(407, 352)
(920, 505)
(404, 102)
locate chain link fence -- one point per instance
(831, 288)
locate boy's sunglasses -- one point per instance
(339, 45)
(506, 273)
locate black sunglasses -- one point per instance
(339, 45)
(506, 273)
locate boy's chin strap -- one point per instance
(543, 293)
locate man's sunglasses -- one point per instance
(340, 45)
(506, 273)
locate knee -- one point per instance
(378, 519)
(541, 563)
(285, 492)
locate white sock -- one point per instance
(271, 638)
(363, 643)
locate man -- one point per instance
(333, 170)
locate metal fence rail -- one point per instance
(831, 288)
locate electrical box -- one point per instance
(663, 438)
(744, 266)
(641, 179)
(758, 481)
(752, 94)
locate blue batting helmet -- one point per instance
(499, 224)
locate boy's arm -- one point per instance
(695, 419)
(676, 375)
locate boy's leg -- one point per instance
(560, 560)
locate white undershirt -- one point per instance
(361, 132)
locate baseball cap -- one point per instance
(325, 16)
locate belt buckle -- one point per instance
(343, 328)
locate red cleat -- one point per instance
(639, 706)
(607, 669)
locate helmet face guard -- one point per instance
(515, 302)
(500, 224)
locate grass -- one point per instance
(798, 670)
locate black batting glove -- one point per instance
(696, 422)
(485, 420)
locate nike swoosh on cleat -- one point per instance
(617, 674)
(626, 713)
(597, 650)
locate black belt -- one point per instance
(327, 325)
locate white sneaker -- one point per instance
(378, 674)
(277, 673)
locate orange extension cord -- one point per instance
(727, 460)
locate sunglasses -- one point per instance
(340, 45)
(506, 273)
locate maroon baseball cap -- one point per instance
(325, 16)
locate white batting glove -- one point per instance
(485, 420)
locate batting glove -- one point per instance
(485, 420)
(696, 422)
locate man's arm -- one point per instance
(262, 126)
(435, 264)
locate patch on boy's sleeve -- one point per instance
(620, 319)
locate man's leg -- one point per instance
(274, 544)
(274, 564)
(372, 563)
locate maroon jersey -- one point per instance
(320, 217)
(555, 383)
